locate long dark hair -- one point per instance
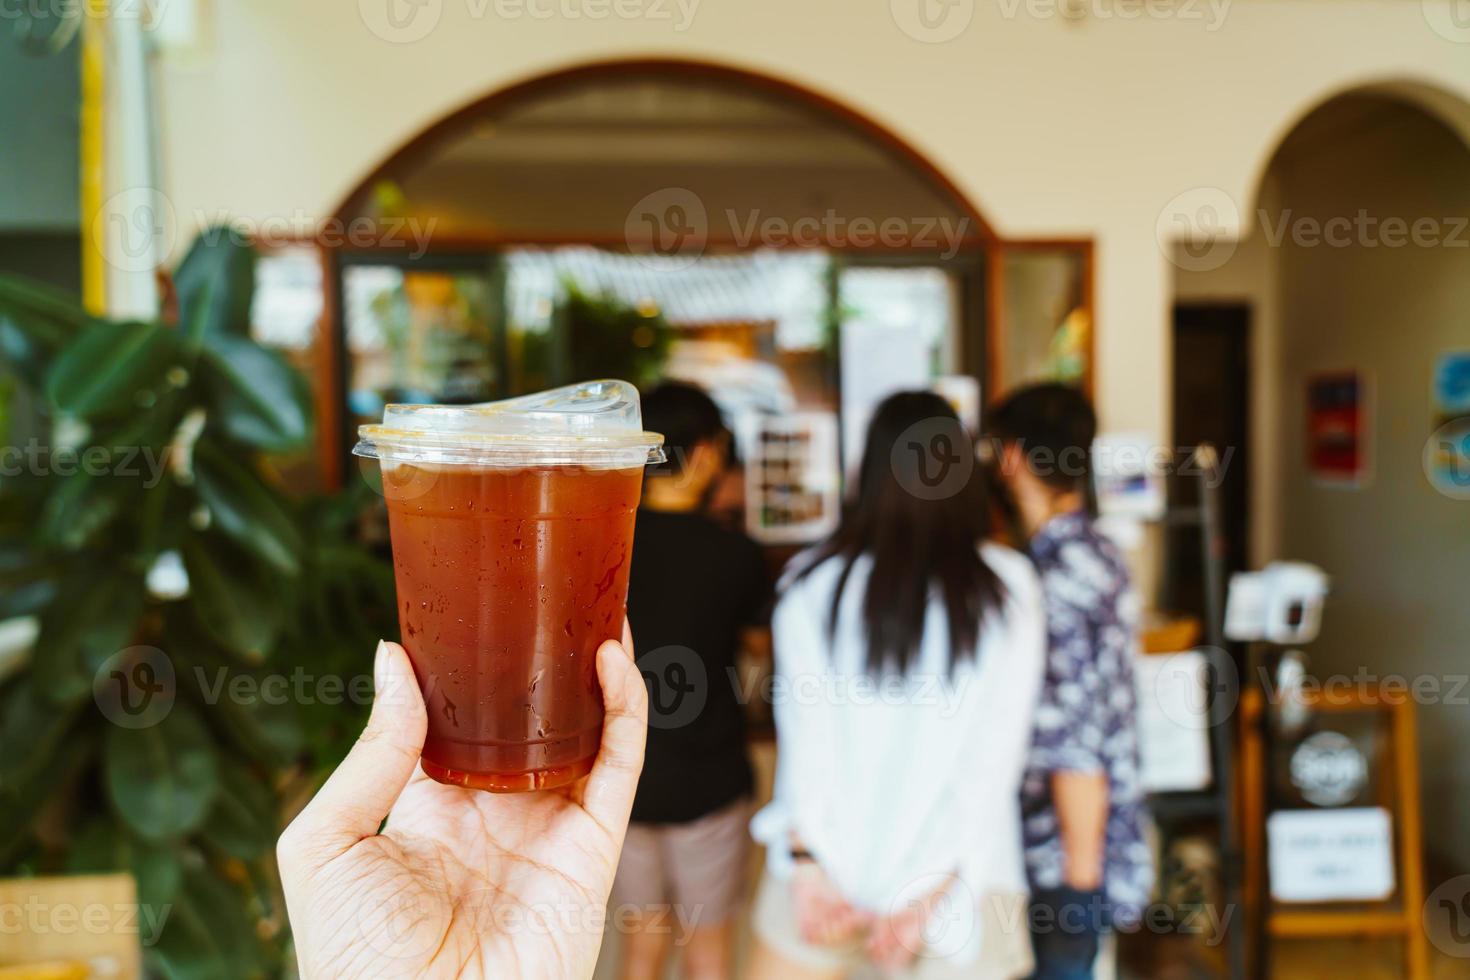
(920, 515)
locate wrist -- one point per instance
(1084, 875)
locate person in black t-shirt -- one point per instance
(696, 592)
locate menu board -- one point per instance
(792, 482)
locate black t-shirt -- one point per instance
(694, 586)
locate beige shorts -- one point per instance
(1004, 955)
(698, 868)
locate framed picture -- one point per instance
(1338, 442)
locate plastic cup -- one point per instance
(512, 533)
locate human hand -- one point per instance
(460, 883)
(895, 940)
(822, 914)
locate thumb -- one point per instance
(355, 799)
(608, 796)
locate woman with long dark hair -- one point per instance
(909, 654)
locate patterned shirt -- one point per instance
(1086, 720)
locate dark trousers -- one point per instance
(1066, 926)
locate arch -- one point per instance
(505, 97)
(1450, 108)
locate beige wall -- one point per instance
(1054, 126)
(1397, 550)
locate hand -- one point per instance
(822, 914)
(896, 940)
(460, 883)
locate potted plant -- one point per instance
(203, 636)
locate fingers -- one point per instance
(356, 798)
(608, 796)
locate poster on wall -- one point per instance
(1338, 436)
(1447, 452)
(792, 481)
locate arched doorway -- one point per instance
(1349, 298)
(690, 169)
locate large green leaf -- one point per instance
(31, 730)
(244, 508)
(268, 732)
(99, 619)
(103, 845)
(48, 765)
(233, 598)
(215, 284)
(112, 368)
(38, 317)
(208, 935)
(243, 821)
(80, 506)
(163, 779)
(257, 397)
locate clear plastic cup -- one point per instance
(512, 532)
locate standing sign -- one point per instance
(1331, 855)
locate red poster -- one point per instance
(1337, 428)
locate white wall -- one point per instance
(1054, 126)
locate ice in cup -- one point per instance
(512, 533)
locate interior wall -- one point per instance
(1397, 550)
(1055, 127)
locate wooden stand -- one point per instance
(1399, 765)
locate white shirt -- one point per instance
(894, 783)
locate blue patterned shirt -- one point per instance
(1086, 720)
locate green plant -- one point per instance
(607, 338)
(161, 725)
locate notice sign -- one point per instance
(1173, 721)
(1331, 855)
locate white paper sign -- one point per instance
(1331, 855)
(1173, 721)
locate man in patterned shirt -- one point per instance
(1083, 809)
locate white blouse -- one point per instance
(894, 783)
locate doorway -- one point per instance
(1211, 404)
